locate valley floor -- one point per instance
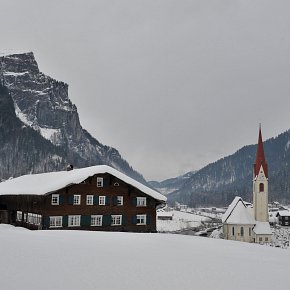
(77, 260)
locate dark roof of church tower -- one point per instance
(260, 157)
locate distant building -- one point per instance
(283, 217)
(96, 198)
(165, 215)
(243, 223)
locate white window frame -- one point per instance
(142, 219)
(55, 199)
(120, 200)
(96, 220)
(19, 216)
(74, 220)
(116, 220)
(77, 199)
(90, 199)
(55, 221)
(100, 182)
(141, 201)
(102, 200)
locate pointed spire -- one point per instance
(260, 156)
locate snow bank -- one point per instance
(74, 260)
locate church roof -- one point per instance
(238, 213)
(262, 228)
(260, 157)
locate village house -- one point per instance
(92, 198)
(246, 223)
(283, 217)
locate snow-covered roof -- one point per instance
(238, 213)
(283, 213)
(262, 228)
(45, 183)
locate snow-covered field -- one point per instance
(80, 260)
(181, 220)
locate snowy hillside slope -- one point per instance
(74, 260)
(180, 221)
(42, 103)
(219, 182)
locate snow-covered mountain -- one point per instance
(42, 104)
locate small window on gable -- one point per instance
(100, 182)
(116, 184)
(55, 199)
(261, 187)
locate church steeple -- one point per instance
(260, 157)
(260, 183)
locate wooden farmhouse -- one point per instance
(92, 198)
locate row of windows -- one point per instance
(31, 218)
(95, 220)
(241, 231)
(55, 200)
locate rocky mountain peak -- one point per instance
(42, 103)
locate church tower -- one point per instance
(260, 183)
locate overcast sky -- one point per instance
(173, 85)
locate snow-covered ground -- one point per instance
(75, 260)
(181, 220)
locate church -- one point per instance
(246, 223)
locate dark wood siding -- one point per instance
(112, 187)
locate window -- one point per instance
(250, 232)
(74, 220)
(141, 219)
(19, 216)
(266, 239)
(116, 184)
(119, 200)
(100, 181)
(116, 220)
(90, 199)
(102, 200)
(260, 239)
(233, 231)
(55, 199)
(242, 231)
(261, 187)
(34, 219)
(141, 201)
(96, 220)
(55, 221)
(77, 199)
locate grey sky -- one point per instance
(173, 85)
